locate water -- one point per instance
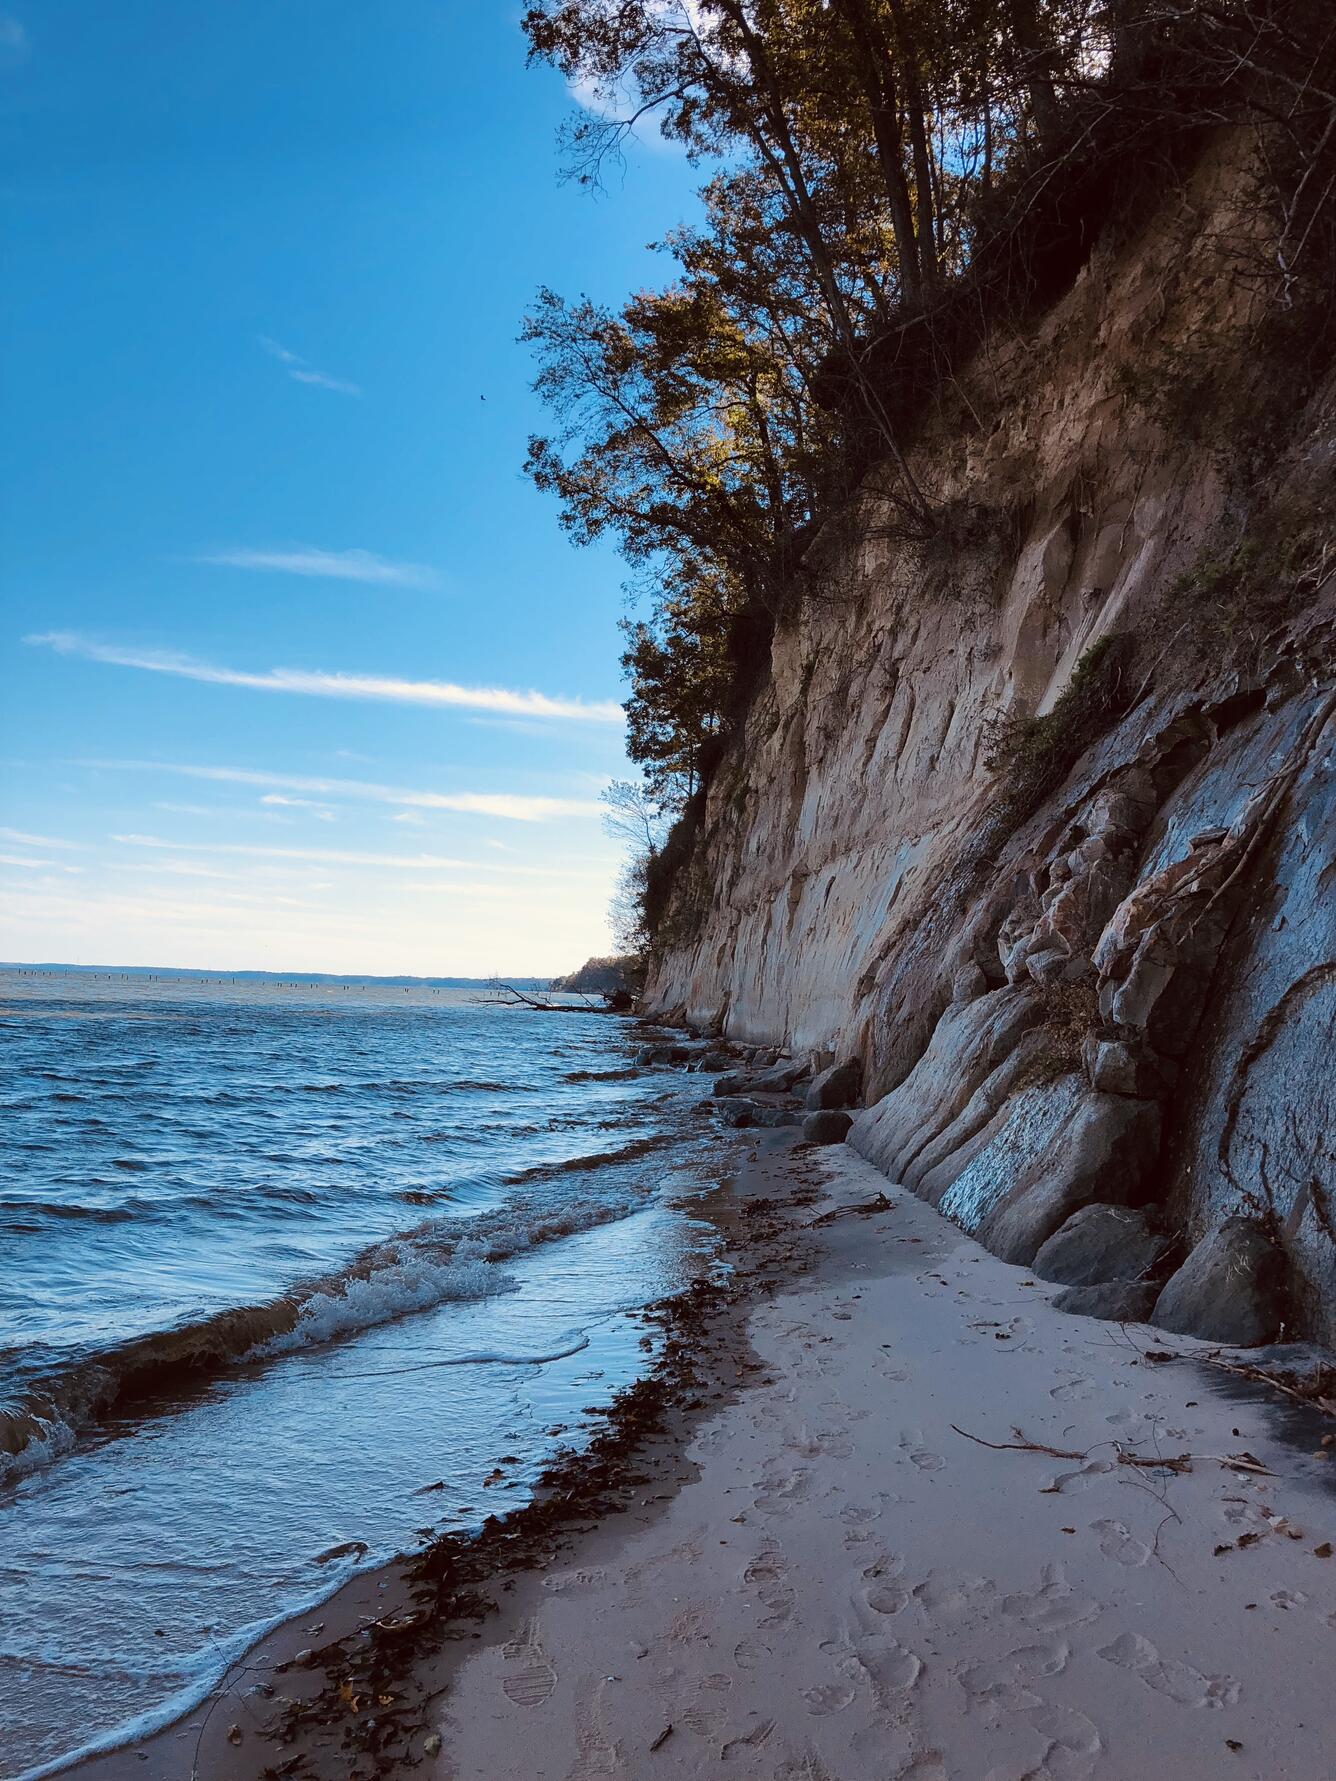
(277, 1258)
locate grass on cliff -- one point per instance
(1031, 756)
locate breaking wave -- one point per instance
(438, 1262)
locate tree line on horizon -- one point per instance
(882, 179)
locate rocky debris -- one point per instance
(1230, 1289)
(839, 1086)
(743, 1113)
(827, 1126)
(1122, 1301)
(677, 1051)
(780, 1079)
(1099, 1244)
(709, 1063)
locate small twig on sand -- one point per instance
(879, 1203)
(1260, 1376)
(1181, 1462)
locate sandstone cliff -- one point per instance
(1105, 971)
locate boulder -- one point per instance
(734, 1082)
(678, 1051)
(836, 1087)
(1070, 1148)
(777, 1080)
(710, 1061)
(751, 1113)
(1122, 1301)
(1230, 1289)
(1098, 1244)
(827, 1126)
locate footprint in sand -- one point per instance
(781, 1491)
(1073, 1390)
(1118, 1542)
(1052, 1606)
(831, 1697)
(912, 1443)
(571, 1582)
(856, 1514)
(1090, 1472)
(885, 1598)
(528, 1678)
(1003, 1683)
(1073, 1744)
(751, 1654)
(892, 1667)
(1179, 1681)
(765, 1574)
(821, 1444)
(947, 1596)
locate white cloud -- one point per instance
(414, 817)
(510, 806)
(26, 840)
(300, 370)
(316, 683)
(413, 862)
(296, 803)
(324, 381)
(32, 865)
(330, 565)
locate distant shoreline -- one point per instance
(256, 976)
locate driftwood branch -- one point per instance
(1181, 1462)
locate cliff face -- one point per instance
(1105, 972)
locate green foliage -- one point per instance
(885, 178)
(1033, 755)
(1222, 608)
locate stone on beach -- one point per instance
(1097, 1244)
(827, 1126)
(1230, 1289)
(839, 1086)
(1121, 1301)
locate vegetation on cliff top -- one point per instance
(886, 179)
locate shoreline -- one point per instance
(919, 1526)
(301, 1662)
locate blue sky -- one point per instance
(299, 671)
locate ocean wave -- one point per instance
(437, 1263)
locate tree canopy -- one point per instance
(865, 162)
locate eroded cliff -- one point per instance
(1037, 815)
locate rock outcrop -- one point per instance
(1108, 978)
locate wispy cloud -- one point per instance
(321, 812)
(36, 865)
(301, 370)
(330, 565)
(412, 862)
(316, 683)
(511, 806)
(26, 840)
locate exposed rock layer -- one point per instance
(1129, 996)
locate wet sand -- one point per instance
(831, 1579)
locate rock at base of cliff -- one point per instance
(751, 1113)
(1100, 1145)
(1121, 1301)
(839, 1086)
(1097, 1244)
(776, 1081)
(1230, 1289)
(827, 1126)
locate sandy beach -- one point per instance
(836, 1580)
